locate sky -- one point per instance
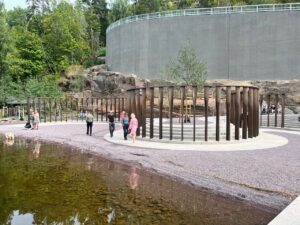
(10, 4)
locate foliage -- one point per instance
(120, 9)
(78, 83)
(102, 51)
(186, 68)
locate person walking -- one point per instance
(125, 124)
(111, 121)
(36, 119)
(133, 126)
(89, 123)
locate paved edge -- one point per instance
(264, 141)
(290, 215)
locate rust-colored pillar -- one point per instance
(206, 89)
(115, 108)
(66, 109)
(250, 112)
(61, 109)
(28, 109)
(45, 110)
(268, 109)
(144, 112)
(34, 103)
(39, 106)
(182, 97)
(194, 111)
(237, 113)
(255, 110)
(50, 106)
(122, 104)
(97, 108)
(228, 112)
(138, 110)
(133, 101)
(119, 109)
(128, 108)
(276, 109)
(161, 99)
(55, 106)
(282, 110)
(101, 109)
(111, 104)
(151, 110)
(245, 112)
(260, 105)
(106, 108)
(171, 105)
(77, 108)
(217, 113)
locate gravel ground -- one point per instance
(270, 177)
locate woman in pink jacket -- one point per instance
(133, 126)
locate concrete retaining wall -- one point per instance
(250, 46)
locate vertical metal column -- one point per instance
(28, 109)
(138, 110)
(101, 109)
(34, 104)
(217, 113)
(122, 104)
(206, 89)
(194, 111)
(133, 101)
(66, 109)
(77, 108)
(39, 106)
(276, 109)
(151, 110)
(81, 108)
(55, 106)
(250, 112)
(282, 110)
(71, 108)
(255, 105)
(111, 104)
(45, 112)
(106, 108)
(61, 109)
(260, 105)
(237, 113)
(161, 96)
(119, 109)
(228, 111)
(245, 112)
(144, 112)
(128, 107)
(115, 109)
(268, 110)
(171, 103)
(182, 96)
(50, 106)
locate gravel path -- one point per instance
(269, 177)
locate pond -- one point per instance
(43, 183)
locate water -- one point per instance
(51, 184)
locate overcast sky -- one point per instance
(10, 4)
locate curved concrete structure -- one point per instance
(262, 45)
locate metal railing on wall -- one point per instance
(208, 11)
(240, 109)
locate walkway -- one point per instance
(270, 177)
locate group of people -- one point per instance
(130, 126)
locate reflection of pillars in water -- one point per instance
(206, 89)
(171, 104)
(217, 113)
(237, 113)
(228, 112)
(161, 96)
(194, 111)
(151, 110)
(144, 112)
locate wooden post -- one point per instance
(171, 102)
(250, 112)
(182, 96)
(194, 111)
(144, 111)
(161, 92)
(45, 110)
(276, 109)
(138, 110)
(245, 112)
(268, 110)
(237, 113)
(151, 110)
(217, 113)
(228, 112)
(28, 110)
(50, 106)
(206, 89)
(282, 110)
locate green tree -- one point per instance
(186, 68)
(119, 9)
(17, 17)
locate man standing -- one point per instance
(89, 123)
(111, 120)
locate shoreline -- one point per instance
(171, 167)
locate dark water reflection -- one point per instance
(51, 184)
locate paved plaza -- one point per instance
(264, 171)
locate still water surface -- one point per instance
(51, 184)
